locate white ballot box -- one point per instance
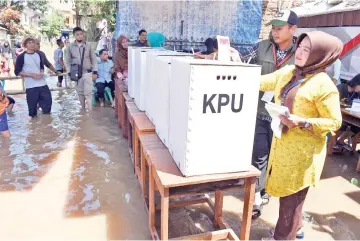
(131, 70)
(140, 75)
(151, 87)
(213, 108)
(160, 99)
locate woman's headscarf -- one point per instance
(121, 57)
(325, 49)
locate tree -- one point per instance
(10, 19)
(96, 10)
(52, 24)
(41, 5)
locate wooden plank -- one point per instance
(248, 205)
(215, 235)
(151, 200)
(219, 196)
(358, 166)
(165, 215)
(143, 124)
(232, 235)
(170, 175)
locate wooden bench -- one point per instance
(142, 124)
(167, 178)
(132, 110)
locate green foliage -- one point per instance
(10, 19)
(98, 10)
(52, 24)
(41, 5)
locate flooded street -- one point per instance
(68, 175)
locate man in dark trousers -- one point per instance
(30, 66)
(271, 54)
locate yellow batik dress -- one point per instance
(297, 159)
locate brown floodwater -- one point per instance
(68, 175)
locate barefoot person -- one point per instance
(89, 67)
(297, 159)
(30, 66)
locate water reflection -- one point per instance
(101, 179)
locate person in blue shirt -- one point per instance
(104, 75)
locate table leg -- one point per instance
(143, 173)
(165, 215)
(116, 107)
(331, 144)
(219, 197)
(355, 142)
(152, 203)
(358, 165)
(248, 205)
(136, 149)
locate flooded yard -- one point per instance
(68, 175)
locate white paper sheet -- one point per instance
(275, 111)
(268, 96)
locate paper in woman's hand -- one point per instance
(275, 111)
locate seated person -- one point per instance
(347, 95)
(11, 100)
(348, 91)
(209, 43)
(105, 70)
(4, 102)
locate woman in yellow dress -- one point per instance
(297, 159)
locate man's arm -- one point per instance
(46, 62)
(250, 54)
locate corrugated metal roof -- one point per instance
(319, 7)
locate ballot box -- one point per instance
(131, 69)
(140, 75)
(213, 107)
(160, 102)
(151, 87)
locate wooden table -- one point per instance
(142, 124)
(132, 110)
(352, 118)
(167, 178)
(148, 142)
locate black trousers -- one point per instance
(60, 78)
(261, 150)
(101, 88)
(41, 95)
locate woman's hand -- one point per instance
(292, 121)
(119, 75)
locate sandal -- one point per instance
(256, 211)
(265, 198)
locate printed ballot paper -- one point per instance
(274, 111)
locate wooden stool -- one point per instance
(122, 113)
(132, 111)
(165, 175)
(224, 234)
(148, 142)
(142, 124)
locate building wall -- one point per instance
(240, 20)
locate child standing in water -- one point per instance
(4, 102)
